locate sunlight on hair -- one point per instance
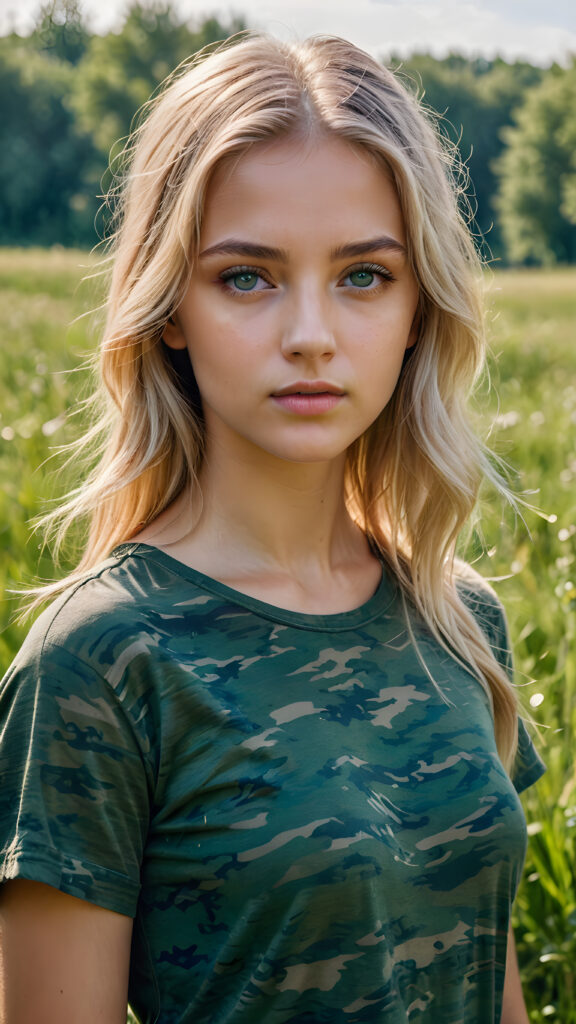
(413, 478)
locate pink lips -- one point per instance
(309, 397)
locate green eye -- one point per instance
(245, 281)
(361, 278)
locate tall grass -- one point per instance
(42, 346)
(533, 335)
(533, 407)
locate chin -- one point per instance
(308, 454)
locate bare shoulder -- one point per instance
(55, 951)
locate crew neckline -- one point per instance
(383, 597)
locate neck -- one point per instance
(257, 514)
(282, 514)
(276, 530)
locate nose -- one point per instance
(308, 331)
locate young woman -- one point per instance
(261, 755)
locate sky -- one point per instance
(529, 29)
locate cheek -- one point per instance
(209, 336)
(223, 364)
(224, 346)
(383, 347)
(384, 326)
(381, 368)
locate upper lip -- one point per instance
(309, 387)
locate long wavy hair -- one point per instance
(412, 479)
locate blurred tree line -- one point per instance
(68, 96)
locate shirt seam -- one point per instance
(55, 646)
(29, 855)
(59, 607)
(275, 615)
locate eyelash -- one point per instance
(227, 275)
(372, 268)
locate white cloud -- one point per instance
(512, 28)
(405, 26)
(471, 28)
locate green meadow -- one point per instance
(529, 408)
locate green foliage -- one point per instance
(44, 348)
(60, 31)
(475, 100)
(535, 430)
(537, 170)
(534, 367)
(46, 162)
(122, 69)
(69, 98)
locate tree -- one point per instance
(537, 171)
(60, 31)
(474, 99)
(44, 161)
(121, 69)
(66, 97)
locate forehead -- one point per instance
(288, 184)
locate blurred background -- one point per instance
(501, 75)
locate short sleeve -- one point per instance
(488, 611)
(75, 795)
(528, 766)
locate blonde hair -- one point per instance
(413, 477)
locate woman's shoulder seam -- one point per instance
(64, 599)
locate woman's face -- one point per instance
(302, 302)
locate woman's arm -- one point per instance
(513, 1006)
(62, 960)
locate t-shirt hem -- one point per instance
(80, 878)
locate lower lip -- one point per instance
(308, 405)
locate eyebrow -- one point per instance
(383, 243)
(238, 247)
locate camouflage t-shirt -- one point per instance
(305, 830)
